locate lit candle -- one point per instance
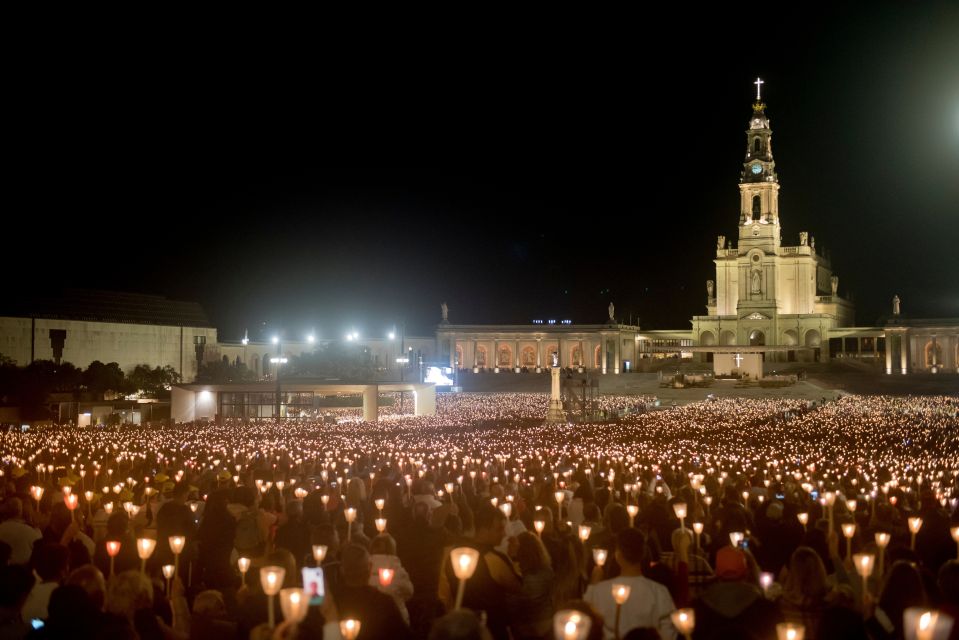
(243, 564)
(350, 515)
(584, 531)
(113, 548)
(790, 631)
(685, 621)
(145, 547)
(882, 541)
(864, 564)
(599, 556)
(915, 524)
(464, 560)
(294, 603)
(319, 553)
(168, 571)
(349, 629)
(570, 624)
(271, 580)
(633, 511)
(848, 530)
(176, 546)
(620, 596)
(698, 530)
(679, 508)
(386, 577)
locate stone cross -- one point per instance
(759, 83)
(739, 360)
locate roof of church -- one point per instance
(111, 306)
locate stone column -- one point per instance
(559, 351)
(495, 362)
(888, 354)
(556, 413)
(539, 352)
(904, 352)
(370, 398)
(617, 364)
(602, 353)
(475, 352)
(582, 353)
(424, 400)
(516, 353)
(452, 351)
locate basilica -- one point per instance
(770, 302)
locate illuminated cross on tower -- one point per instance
(759, 83)
(739, 360)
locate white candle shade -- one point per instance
(599, 556)
(864, 563)
(684, 620)
(570, 624)
(790, 631)
(271, 579)
(319, 552)
(349, 629)
(145, 547)
(621, 592)
(464, 561)
(176, 544)
(294, 603)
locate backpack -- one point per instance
(248, 539)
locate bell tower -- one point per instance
(759, 184)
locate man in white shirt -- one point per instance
(16, 533)
(649, 603)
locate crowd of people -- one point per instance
(730, 518)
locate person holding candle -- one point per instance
(294, 533)
(16, 532)
(118, 529)
(174, 518)
(215, 543)
(357, 599)
(734, 606)
(494, 582)
(902, 588)
(49, 563)
(649, 603)
(399, 587)
(252, 604)
(807, 594)
(533, 615)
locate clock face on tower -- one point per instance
(756, 169)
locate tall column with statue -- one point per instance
(556, 415)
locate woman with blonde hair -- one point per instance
(807, 592)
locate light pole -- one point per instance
(277, 361)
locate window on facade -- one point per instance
(756, 145)
(757, 207)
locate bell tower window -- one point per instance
(757, 207)
(755, 145)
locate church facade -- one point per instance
(766, 292)
(770, 301)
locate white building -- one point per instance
(81, 326)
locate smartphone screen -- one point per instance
(313, 584)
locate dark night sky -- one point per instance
(534, 171)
